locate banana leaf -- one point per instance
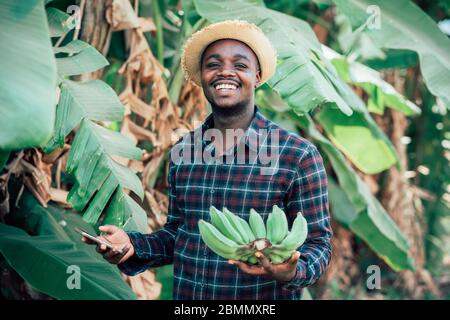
(42, 246)
(372, 223)
(360, 139)
(98, 175)
(380, 92)
(58, 22)
(93, 100)
(412, 30)
(123, 211)
(357, 45)
(297, 79)
(394, 58)
(27, 77)
(74, 46)
(342, 129)
(340, 204)
(100, 180)
(88, 59)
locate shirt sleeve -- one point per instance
(308, 194)
(155, 249)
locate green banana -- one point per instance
(246, 255)
(285, 254)
(217, 242)
(277, 255)
(234, 221)
(277, 225)
(252, 259)
(257, 224)
(221, 222)
(246, 228)
(277, 259)
(232, 237)
(297, 236)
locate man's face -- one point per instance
(229, 73)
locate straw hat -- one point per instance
(243, 31)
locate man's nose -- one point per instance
(227, 71)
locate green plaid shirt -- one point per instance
(295, 180)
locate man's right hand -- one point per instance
(118, 239)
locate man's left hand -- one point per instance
(281, 272)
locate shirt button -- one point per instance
(203, 285)
(212, 190)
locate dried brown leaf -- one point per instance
(121, 16)
(60, 196)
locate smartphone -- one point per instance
(95, 239)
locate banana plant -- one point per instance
(381, 93)
(100, 180)
(43, 248)
(28, 77)
(411, 30)
(32, 80)
(351, 201)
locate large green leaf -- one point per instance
(42, 247)
(297, 79)
(124, 211)
(395, 58)
(72, 47)
(342, 129)
(94, 100)
(58, 22)
(372, 223)
(380, 92)
(359, 138)
(357, 45)
(99, 180)
(413, 30)
(98, 176)
(340, 204)
(88, 59)
(27, 76)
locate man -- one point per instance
(229, 60)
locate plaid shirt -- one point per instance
(296, 182)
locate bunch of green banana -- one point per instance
(231, 237)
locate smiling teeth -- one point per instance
(226, 86)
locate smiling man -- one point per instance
(229, 60)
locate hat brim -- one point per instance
(242, 31)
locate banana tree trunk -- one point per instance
(401, 199)
(95, 29)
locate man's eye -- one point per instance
(212, 65)
(240, 65)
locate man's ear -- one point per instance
(258, 78)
